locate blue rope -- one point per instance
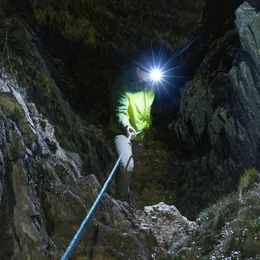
(78, 235)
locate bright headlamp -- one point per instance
(156, 75)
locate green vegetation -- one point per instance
(231, 227)
(247, 178)
(254, 224)
(123, 24)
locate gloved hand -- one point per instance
(130, 130)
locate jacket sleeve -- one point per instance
(119, 103)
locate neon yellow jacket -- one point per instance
(130, 104)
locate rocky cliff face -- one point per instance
(52, 162)
(218, 119)
(45, 192)
(43, 183)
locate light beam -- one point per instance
(156, 75)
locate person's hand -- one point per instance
(130, 130)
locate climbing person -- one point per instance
(132, 96)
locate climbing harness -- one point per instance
(78, 235)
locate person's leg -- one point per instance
(132, 198)
(125, 168)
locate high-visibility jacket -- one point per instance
(131, 103)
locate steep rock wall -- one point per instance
(218, 121)
(51, 163)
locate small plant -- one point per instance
(254, 224)
(247, 178)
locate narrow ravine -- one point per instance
(196, 185)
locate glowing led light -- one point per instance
(156, 75)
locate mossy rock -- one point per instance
(14, 110)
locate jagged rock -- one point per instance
(248, 22)
(51, 169)
(13, 105)
(167, 224)
(46, 190)
(218, 119)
